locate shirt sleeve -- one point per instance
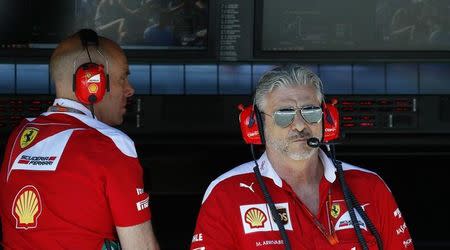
(213, 229)
(128, 202)
(394, 232)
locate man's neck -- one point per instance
(297, 172)
(302, 175)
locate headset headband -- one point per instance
(88, 37)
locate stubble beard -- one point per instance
(282, 146)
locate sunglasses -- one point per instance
(284, 117)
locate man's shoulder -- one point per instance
(359, 175)
(352, 169)
(231, 179)
(122, 141)
(101, 130)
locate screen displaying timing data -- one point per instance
(134, 24)
(347, 25)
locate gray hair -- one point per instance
(286, 76)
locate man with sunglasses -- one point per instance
(297, 183)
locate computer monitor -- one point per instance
(353, 29)
(144, 28)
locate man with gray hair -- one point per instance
(295, 195)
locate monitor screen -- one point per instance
(354, 25)
(134, 24)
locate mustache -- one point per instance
(299, 135)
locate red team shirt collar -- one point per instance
(266, 169)
(328, 178)
(72, 104)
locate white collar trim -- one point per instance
(266, 168)
(72, 104)
(329, 170)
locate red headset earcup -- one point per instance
(249, 125)
(330, 122)
(90, 83)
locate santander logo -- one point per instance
(94, 79)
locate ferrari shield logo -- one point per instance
(335, 210)
(28, 136)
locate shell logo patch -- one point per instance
(92, 88)
(27, 207)
(28, 136)
(255, 218)
(335, 210)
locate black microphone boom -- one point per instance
(314, 142)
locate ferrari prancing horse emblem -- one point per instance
(28, 135)
(335, 210)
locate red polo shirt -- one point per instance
(67, 180)
(235, 215)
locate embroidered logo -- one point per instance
(407, 243)
(255, 218)
(143, 204)
(397, 213)
(27, 207)
(36, 160)
(139, 191)
(28, 136)
(283, 215)
(243, 185)
(335, 210)
(42, 156)
(345, 222)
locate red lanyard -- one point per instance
(330, 236)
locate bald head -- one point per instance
(70, 54)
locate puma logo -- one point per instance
(247, 186)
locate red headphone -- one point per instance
(90, 82)
(253, 133)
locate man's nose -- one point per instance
(298, 123)
(129, 90)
